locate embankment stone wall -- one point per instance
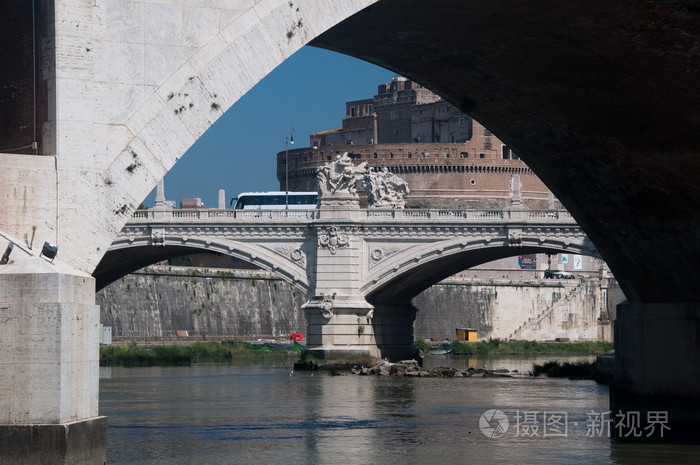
(245, 303)
(537, 309)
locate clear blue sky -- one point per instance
(238, 153)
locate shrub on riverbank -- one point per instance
(422, 346)
(182, 355)
(498, 346)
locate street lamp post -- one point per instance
(289, 139)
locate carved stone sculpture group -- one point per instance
(339, 178)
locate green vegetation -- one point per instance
(226, 274)
(422, 346)
(183, 355)
(554, 369)
(185, 260)
(498, 346)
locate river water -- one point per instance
(265, 414)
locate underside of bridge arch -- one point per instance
(405, 286)
(394, 313)
(601, 100)
(118, 263)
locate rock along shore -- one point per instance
(404, 368)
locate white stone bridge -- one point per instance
(601, 99)
(359, 267)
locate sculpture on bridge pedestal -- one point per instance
(338, 178)
(337, 184)
(384, 189)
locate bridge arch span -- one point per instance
(152, 79)
(126, 256)
(412, 271)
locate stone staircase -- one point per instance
(547, 310)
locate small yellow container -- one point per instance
(466, 334)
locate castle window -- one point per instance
(464, 155)
(481, 155)
(505, 152)
(353, 111)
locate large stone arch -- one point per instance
(583, 91)
(602, 101)
(412, 271)
(131, 85)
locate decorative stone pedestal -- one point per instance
(343, 328)
(49, 369)
(657, 368)
(339, 327)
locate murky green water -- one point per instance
(262, 414)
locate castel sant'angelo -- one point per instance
(448, 159)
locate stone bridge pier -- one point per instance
(657, 366)
(341, 322)
(49, 337)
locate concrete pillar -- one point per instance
(49, 370)
(657, 368)
(222, 199)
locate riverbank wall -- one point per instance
(179, 302)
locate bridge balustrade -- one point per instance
(371, 213)
(199, 214)
(549, 214)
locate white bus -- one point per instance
(275, 200)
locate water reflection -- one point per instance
(261, 414)
(522, 363)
